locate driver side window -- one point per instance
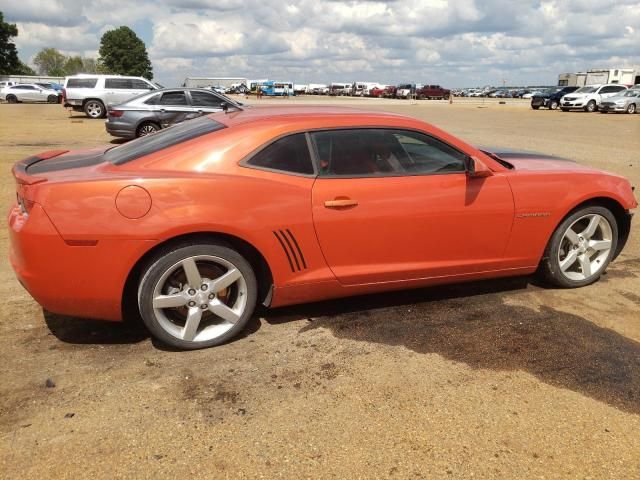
(370, 152)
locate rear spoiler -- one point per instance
(20, 168)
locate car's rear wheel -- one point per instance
(197, 295)
(147, 128)
(581, 248)
(12, 99)
(553, 105)
(591, 106)
(631, 108)
(94, 109)
(52, 99)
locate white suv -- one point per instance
(92, 94)
(589, 97)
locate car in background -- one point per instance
(156, 110)
(7, 84)
(29, 92)
(627, 101)
(405, 90)
(428, 92)
(589, 97)
(92, 94)
(550, 98)
(194, 226)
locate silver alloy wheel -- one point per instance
(192, 307)
(585, 247)
(93, 109)
(147, 129)
(631, 108)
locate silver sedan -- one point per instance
(158, 109)
(627, 101)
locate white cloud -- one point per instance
(452, 42)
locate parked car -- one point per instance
(92, 94)
(51, 86)
(405, 90)
(427, 92)
(195, 225)
(589, 97)
(153, 111)
(550, 98)
(29, 92)
(627, 101)
(6, 84)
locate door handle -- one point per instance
(343, 202)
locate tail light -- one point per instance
(116, 113)
(25, 204)
(64, 95)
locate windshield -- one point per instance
(158, 85)
(630, 93)
(586, 90)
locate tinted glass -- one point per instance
(163, 139)
(367, 152)
(82, 82)
(288, 154)
(117, 83)
(140, 85)
(174, 98)
(153, 100)
(204, 99)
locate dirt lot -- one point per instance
(500, 379)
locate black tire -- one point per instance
(52, 99)
(147, 128)
(550, 266)
(591, 106)
(446, 97)
(535, 107)
(553, 105)
(94, 109)
(12, 99)
(164, 261)
(631, 108)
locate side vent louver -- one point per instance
(291, 249)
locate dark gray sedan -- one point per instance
(158, 109)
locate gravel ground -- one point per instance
(498, 379)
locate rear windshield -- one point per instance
(82, 82)
(163, 139)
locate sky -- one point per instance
(454, 43)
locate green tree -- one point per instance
(9, 61)
(123, 53)
(74, 65)
(23, 69)
(50, 62)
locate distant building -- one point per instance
(623, 76)
(203, 82)
(31, 79)
(572, 79)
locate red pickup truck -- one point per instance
(432, 91)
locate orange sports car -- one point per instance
(198, 223)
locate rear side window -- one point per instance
(118, 83)
(82, 82)
(163, 139)
(288, 154)
(139, 84)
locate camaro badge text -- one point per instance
(533, 214)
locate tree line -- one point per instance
(121, 52)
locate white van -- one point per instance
(92, 94)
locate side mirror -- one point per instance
(224, 106)
(477, 169)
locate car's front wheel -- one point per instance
(591, 106)
(581, 248)
(197, 295)
(553, 105)
(631, 108)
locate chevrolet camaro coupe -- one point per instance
(193, 226)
